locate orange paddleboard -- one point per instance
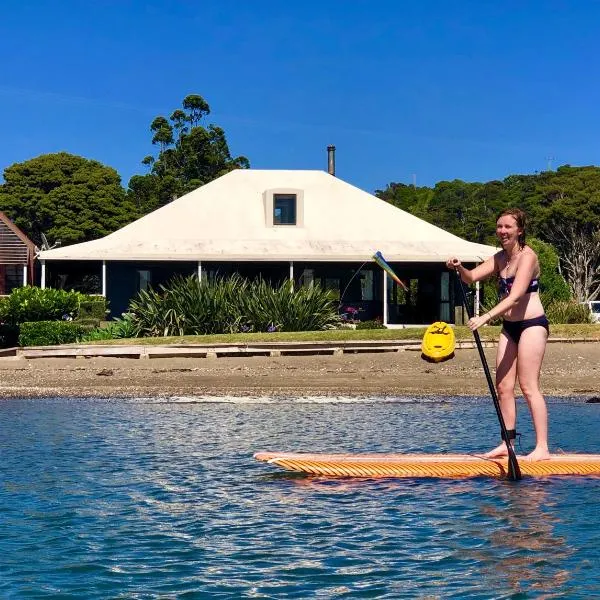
(427, 465)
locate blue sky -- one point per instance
(431, 90)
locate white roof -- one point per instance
(225, 220)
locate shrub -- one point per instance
(100, 333)
(49, 333)
(88, 323)
(564, 312)
(187, 306)
(372, 324)
(284, 308)
(213, 305)
(36, 304)
(553, 286)
(93, 307)
(558, 312)
(117, 329)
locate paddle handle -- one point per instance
(514, 472)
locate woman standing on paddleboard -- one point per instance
(525, 327)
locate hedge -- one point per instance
(50, 333)
(93, 309)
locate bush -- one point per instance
(99, 334)
(187, 306)
(50, 333)
(553, 286)
(117, 329)
(93, 308)
(372, 324)
(568, 312)
(285, 308)
(88, 323)
(36, 304)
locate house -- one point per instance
(17, 256)
(308, 226)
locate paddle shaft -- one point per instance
(514, 472)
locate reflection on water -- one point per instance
(507, 530)
(533, 550)
(155, 499)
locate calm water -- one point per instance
(157, 499)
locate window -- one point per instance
(144, 279)
(11, 277)
(332, 285)
(308, 277)
(366, 285)
(445, 297)
(284, 209)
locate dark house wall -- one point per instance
(356, 286)
(123, 280)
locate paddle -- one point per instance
(514, 472)
(378, 258)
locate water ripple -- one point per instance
(156, 498)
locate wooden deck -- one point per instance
(147, 351)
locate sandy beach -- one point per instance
(570, 369)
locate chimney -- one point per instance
(331, 160)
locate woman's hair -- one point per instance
(519, 216)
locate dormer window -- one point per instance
(284, 209)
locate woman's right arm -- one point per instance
(483, 271)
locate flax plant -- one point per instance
(284, 308)
(187, 306)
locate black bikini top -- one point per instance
(505, 285)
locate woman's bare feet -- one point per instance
(538, 454)
(498, 452)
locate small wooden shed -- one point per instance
(17, 257)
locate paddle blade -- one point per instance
(378, 258)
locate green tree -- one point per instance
(565, 210)
(466, 209)
(553, 286)
(568, 195)
(410, 198)
(563, 207)
(66, 197)
(189, 156)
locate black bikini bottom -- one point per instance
(514, 329)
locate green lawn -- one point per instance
(588, 332)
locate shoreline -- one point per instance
(569, 370)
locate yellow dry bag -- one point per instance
(438, 342)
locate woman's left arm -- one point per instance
(523, 277)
